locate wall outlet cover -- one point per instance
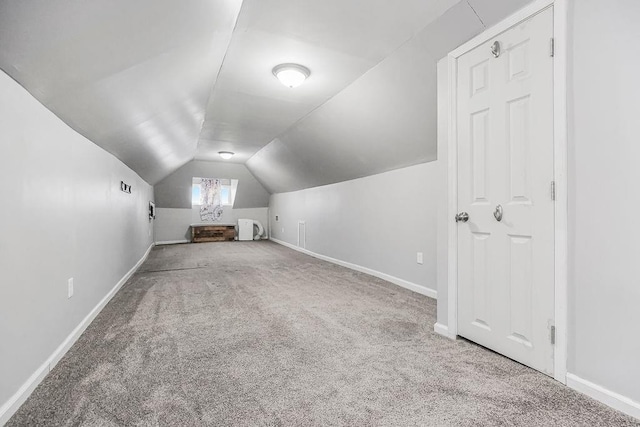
(70, 288)
(419, 258)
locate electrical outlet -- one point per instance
(276, 217)
(283, 229)
(70, 287)
(419, 258)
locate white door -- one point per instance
(505, 174)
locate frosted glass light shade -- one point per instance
(291, 75)
(226, 154)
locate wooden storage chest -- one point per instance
(212, 232)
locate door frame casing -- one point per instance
(560, 13)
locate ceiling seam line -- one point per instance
(215, 82)
(476, 13)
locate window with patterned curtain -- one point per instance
(211, 195)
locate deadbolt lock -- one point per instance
(497, 214)
(495, 49)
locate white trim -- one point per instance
(452, 157)
(502, 26)
(560, 170)
(443, 330)
(11, 406)
(172, 242)
(606, 396)
(395, 280)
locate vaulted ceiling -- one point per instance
(161, 82)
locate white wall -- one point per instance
(172, 224)
(62, 215)
(604, 150)
(379, 222)
(604, 135)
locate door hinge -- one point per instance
(553, 190)
(552, 48)
(552, 334)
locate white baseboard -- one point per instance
(395, 280)
(11, 406)
(443, 330)
(172, 242)
(606, 396)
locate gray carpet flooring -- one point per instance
(255, 334)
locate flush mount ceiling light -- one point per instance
(226, 154)
(291, 75)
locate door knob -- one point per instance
(497, 214)
(462, 217)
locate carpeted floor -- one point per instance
(255, 334)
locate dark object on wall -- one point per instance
(152, 211)
(125, 187)
(213, 233)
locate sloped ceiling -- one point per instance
(384, 120)
(159, 82)
(132, 76)
(337, 40)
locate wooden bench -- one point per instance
(212, 233)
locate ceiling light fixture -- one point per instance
(226, 154)
(291, 75)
